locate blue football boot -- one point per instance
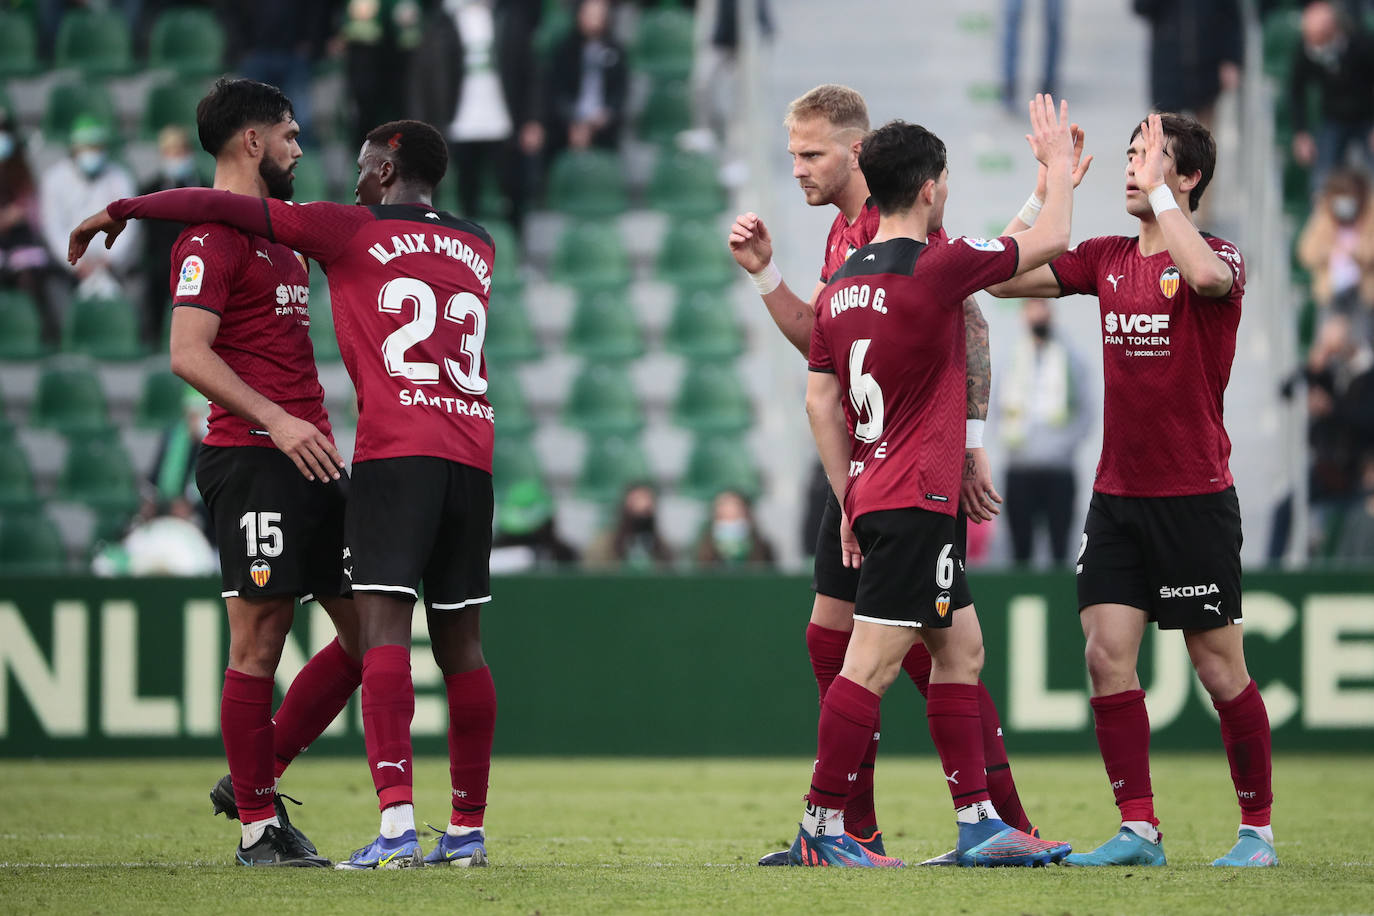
(402, 852)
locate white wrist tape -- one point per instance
(1030, 210)
(768, 279)
(1161, 199)
(973, 433)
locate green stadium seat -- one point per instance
(31, 545)
(588, 184)
(666, 113)
(603, 402)
(322, 326)
(694, 256)
(187, 40)
(713, 399)
(18, 45)
(96, 43)
(310, 183)
(703, 326)
(67, 101)
(685, 185)
(554, 25)
(162, 401)
(505, 273)
(172, 104)
(1282, 41)
(591, 256)
(70, 399)
(604, 328)
(98, 473)
(719, 463)
(507, 399)
(20, 330)
(16, 479)
(514, 460)
(104, 329)
(610, 465)
(510, 333)
(663, 43)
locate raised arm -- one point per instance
(752, 248)
(1204, 272)
(1053, 144)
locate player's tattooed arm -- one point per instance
(978, 359)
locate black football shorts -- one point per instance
(1175, 557)
(913, 569)
(277, 533)
(420, 520)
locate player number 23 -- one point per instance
(394, 296)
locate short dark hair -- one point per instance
(417, 148)
(232, 105)
(1192, 147)
(897, 160)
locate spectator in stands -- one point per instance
(525, 536)
(472, 76)
(1339, 382)
(278, 43)
(1043, 418)
(1337, 59)
(634, 543)
(24, 262)
(1195, 53)
(1012, 11)
(731, 537)
(585, 84)
(379, 37)
(73, 188)
(1337, 247)
(173, 474)
(176, 169)
(1355, 540)
(716, 89)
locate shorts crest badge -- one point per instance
(260, 571)
(942, 605)
(1168, 282)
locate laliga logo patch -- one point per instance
(984, 244)
(1168, 282)
(260, 572)
(191, 276)
(942, 605)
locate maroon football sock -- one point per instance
(1123, 735)
(245, 721)
(317, 695)
(842, 738)
(859, 817)
(1001, 785)
(917, 666)
(388, 707)
(956, 729)
(1245, 732)
(826, 648)
(471, 725)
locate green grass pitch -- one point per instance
(654, 836)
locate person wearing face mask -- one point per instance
(76, 186)
(24, 262)
(176, 169)
(634, 543)
(1337, 246)
(731, 538)
(1044, 417)
(1337, 60)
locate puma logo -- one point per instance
(200, 238)
(951, 777)
(1115, 280)
(1214, 608)
(400, 764)
(263, 255)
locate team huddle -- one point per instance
(899, 374)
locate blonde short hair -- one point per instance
(841, 106)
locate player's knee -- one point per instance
(1106, 663)
(1223, 678)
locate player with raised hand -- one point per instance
(409, 286)
(883, 396)
(268, 470)
(1162, 539)
(825, 130)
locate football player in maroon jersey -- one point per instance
(409, 287)
(887, 363)
(1162, 539)
(825, 129)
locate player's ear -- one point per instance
(1188, 182)
(928, 192)
(386, 173)
(252, 142)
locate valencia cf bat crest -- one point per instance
(1168, 282)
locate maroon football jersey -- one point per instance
(890, 325)
(1166, 356)
(845, 238)
(260, 291)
